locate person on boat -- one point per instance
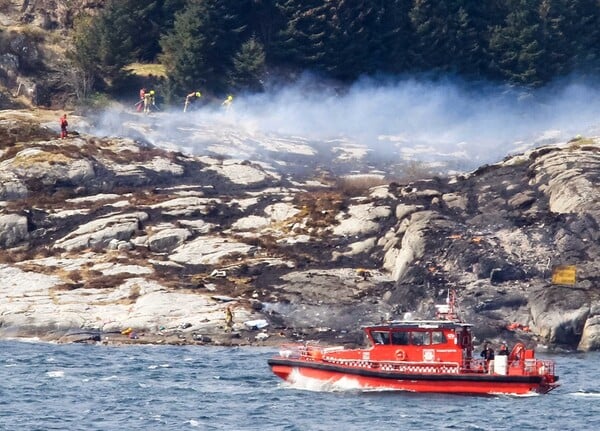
(503, 349)
(488, 354)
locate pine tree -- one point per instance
(394, 51)
(581, 28)
(434, 25)
(556, 58)
(183, 49)
(248, 67)
(355, 36)
(475, 20)
(517, 45)
(452, 35)
(199, 50)
(303, 41)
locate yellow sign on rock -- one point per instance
(564, 274)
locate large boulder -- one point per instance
(13, 230)
(590, 338)
(100, 232)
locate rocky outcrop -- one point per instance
(13, 230)
(108, 235)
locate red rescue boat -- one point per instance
(420, 356)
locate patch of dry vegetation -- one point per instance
(411, 171)
(25, 255)
(358, 185)
(50, 158)
(13, 132)
(318, 209)
(579, 142)
(147, 69)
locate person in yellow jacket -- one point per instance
(191, 99)
(149, 101)
(227, 102)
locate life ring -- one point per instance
(400, 355)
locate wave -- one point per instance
(585, 393)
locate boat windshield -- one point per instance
(400, 338)
(381, 337)
(438, 337)
(420, 338)
(405, 338)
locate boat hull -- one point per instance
(465, 383)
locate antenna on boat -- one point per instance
(447, 311)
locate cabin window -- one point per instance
(400, 338)
(420, 338)
(381, 337)
(438, 337)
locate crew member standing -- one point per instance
(488, 355)
(503, 349)
(148, 101)
(229, 318)
(191, 99)
(63, 126)
(227, 102)
(140, 105)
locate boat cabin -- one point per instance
(421, 341)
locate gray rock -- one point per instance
(167, 240)
(13, 230)
(100, 232)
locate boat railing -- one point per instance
(306, 352)
(542, 367)
(526, 366)
(312, 353)
(398, 366)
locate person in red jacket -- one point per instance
(63, 126)
(139, 106)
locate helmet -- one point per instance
(230, 97)
(198, 94)
(152, 92)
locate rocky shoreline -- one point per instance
(236, 338)
(102, 234)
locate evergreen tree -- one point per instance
(302, 43)
(394, 51)
(434, 25)
(265, 21)
(475, 20)
(102, 45)
(355, 38)
(517, 45)
(581, 28)
(248, 66)
(115, 44)
(183, 48)
(83, 58)
(199, 50)
(556, 58)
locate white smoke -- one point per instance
(408, 118)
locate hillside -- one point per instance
(101, 234)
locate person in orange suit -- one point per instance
(63, 126)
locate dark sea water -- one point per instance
(82, 387)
